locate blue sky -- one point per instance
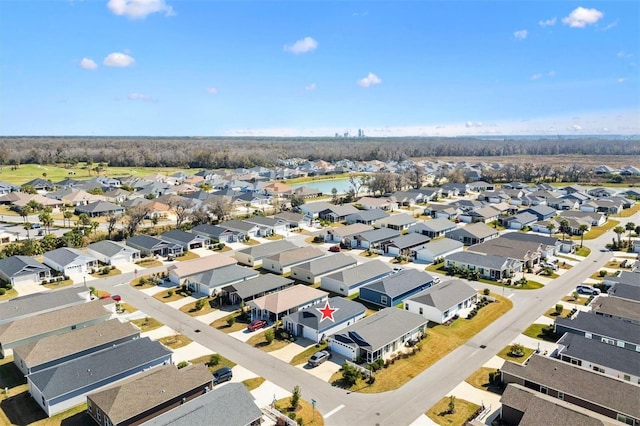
(313, 68)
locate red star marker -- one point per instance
(327, 312)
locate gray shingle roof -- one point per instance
(484, 260)
(262, 221)
(401, 219)
(401, 282)
(41, 302)
(228, 405)
(627, 309)
(600, 353)
(476, 230)
(310, 317)
(110, 248)
(221, 276)
(625, 291)
(238, 225)
(268, 249)
(436, 225)
(328, 263)
(526, 237)
(262, 284)
(603, 326)
(296, 255)
(66, 255)
(145, 241)
(444, 296)
(376, 235)
(99, 207)
(409, 240)
(181, 236)
(442, 246)
(83, 372)
(361, 273)
(18, 265)
(368, 215)
(625, 277)
(380, 329)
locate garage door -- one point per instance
(24, 279)
(341, 349)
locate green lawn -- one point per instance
(222, 362)
(583, 251)
(599, 230)
(176, 341)
(147, 324)
(187, 256)
(253, 383)
(222, 324)
(480, 379)
(535, 331)
(304, 356)
(305, 411)
(504, 354)
(439, 413)
(110, 272)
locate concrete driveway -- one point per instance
(325, 370)
(287, 353)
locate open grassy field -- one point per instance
(439, 413)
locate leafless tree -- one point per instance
(134, 217)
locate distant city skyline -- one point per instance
(319, 69)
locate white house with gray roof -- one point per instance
(255, 287)
(35, 304)
(70, 261)
(282, 262)
(437, 249)
(18, 270)
(348, 281)
(374, 238)
(474, 233)
(378, 336)
(212, 281)
(253, 255)
(442, 302)
(112, 253)
(187, 240)
(398, 222)
(311, 272)
(433, 228)
(488, 266)
(66, 385)
(152, 246)
(309, 322)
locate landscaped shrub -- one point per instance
(486, 291)
(602, 273)
(231, 321)
(182, 364)
(169, 293)
(2, 291)
(200, 304)
(214, 360)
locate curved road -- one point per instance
(399, 407)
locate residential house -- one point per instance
(74, 197)
(67, 261)
(397, 222)
(281, 263)
(349, 281)
(278, 189)
(145, 396)
(99, 208)
(6, 188)
(293, 220)
(52, 350)
(442, 302)
(253, 288)
(66, 385)
(452, 189)
(152, 246)
(40, 185)
(577, 386)
(345, 234)
(393, 289)
(180, 272)
(311, 272)
(601, 192)
(217, 233)
(562, 204)
(34, 304)
(438, 249)
(488, 266)
(374, 238)
(598, 356)
(274, 306)
(625, 292)
(367, 217)
(614, 307)
(625, 277)
(612, 331)
(526, 251)
(433, 228)
(187, 240)
(228, 405)
(253, 255)
(482, 215)
(243, 230)
(602, 206)
(542, 212)
(112, 253)
(474, 233)
(337, 213)
(405, 245)
(268, 226)
(378, 336)
(17, 270)
(519, 221)
(212, 281)
(30, 329)
(311, 323)
(442, 211)
(382, 203)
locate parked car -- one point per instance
(256, 325)
(549, 265)
(319, 357)
(116, 297)
(334, 249)
(222, 375)
(587, 289)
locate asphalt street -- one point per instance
(399, 407)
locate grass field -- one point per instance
(504, 354)
(304, 356)
(535, 331)
(304, 411)
(480, 379)
(253, 383)
(147, 324)
(176, 341)
(439, 413)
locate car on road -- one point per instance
(587, 289)
(256, 325)
(319, 357)
(221, 375)
(334, 249)
(116, 297)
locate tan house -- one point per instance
(276, 305)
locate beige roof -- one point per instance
(21, 199)
(288, 298)
(353, 229)
(150, 389)
(296, 255)
(278, 187)
(196, 266)
(51, 321)
(61, 345)
(80, 195)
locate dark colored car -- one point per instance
(221, 375)
(116, 297)
(256, 325)
(319, 357)
(334, 248)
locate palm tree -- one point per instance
(27, 227)
(68, 214)
(630, 226)
(582, 228)
(46, 219)
(564, 225)
(551, 227)
(24, 212)
(619, 230)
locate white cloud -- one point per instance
(623, 54)
(307, 44)
(369, 80)
(140, 97)
(574, 127)
(548, 22)
(469, 124)
(521, 34)
(609, 26)
(310, 87)
(211, 90)
(621, 80)
(536, 76)
(581, 17)
(88, 64)
(139, 9)
(551, 73)
(117, 59)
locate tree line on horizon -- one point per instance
(227, 152)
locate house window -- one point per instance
(561, 395)
(544, 390)
(608, 341)
(587, 335)
(107, 422)
(598, 369)
(383, 300)
(420, 311)
(88, 406)
(624, 419)
(98, 415)
(406, 307)
(620, 344)
(627, 377)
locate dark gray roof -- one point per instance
(376, 235)
(444, 296)
(361, 273)
(310, 317)
(542, 210)
(409, 240)
(525, 217)
(212, 230)
(238, 225)
(181, 236)
(262, 221)
(625, 291)
(603, 354)
(262, 284)
(228, 405)
(578, 382)
(99, 207)
(617, 307)
(602, 326)
(625, 277)
(367, 215)
(485, 260)
(341, 210)
(66, 255)
(268, 249)
(327, 264)
(110, 248)
(401, 282)
(476, 230)
(434, 225)
(221, 276)
(525, 237)
(80, 373)
(41, 302)
(399, 220)
(19, 265)
(146, 241)
(380, 329)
